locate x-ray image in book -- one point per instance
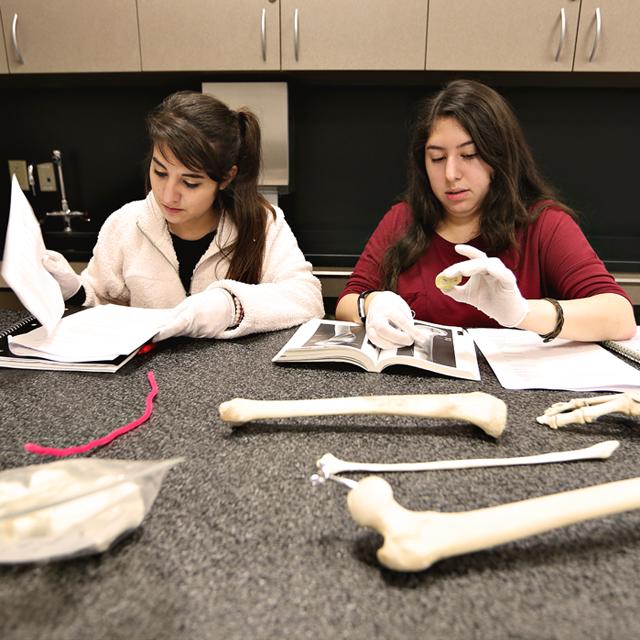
(441, 349)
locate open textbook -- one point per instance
(449, 351)
(99, 338)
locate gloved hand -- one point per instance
(389, 321)
(203, 315)
(68, 280)
(491, 287)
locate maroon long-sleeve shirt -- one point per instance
(555, 260)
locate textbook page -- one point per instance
(521, 360)
(22, 265)
(93, 334)
(439, 348)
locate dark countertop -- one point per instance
(239, 544)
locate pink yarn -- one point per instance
(70, 451)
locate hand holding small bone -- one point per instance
(491, 287)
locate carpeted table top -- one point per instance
(239, 544)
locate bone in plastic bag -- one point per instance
(74, 507)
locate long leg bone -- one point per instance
(329, 465)
(585, 410)
(482, 409)
(414, 540)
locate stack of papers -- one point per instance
(94, 334)
(22, 266)
(100, 338)
(521, 360)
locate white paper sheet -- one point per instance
(22, 266)
(521, 360)
(93, 334)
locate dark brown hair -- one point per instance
(517, 195)
(205, 135)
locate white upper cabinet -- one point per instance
(502, 35)
(4, 67)
(201, 35)
(71, 35)
(609, 36)
(352, 34)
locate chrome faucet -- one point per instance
(65, 211)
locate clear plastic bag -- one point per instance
(74, 507)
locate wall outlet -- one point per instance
(46, 177)
(19, 168)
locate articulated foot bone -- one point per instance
(585, 410)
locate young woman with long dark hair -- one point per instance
(474, 191)
(204, 240)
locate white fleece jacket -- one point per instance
(134, 264)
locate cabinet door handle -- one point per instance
(263, 34)
(563, 33)
(14, 38)
(596, 38)
(296, 33)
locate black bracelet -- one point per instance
(360, 305)
(555, 332)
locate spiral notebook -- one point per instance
(98, 339)
(628, 348)
(29, 323)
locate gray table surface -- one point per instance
(239, 544)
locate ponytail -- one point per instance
(245, 205)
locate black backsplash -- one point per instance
(349, 136)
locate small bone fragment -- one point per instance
(414, 540)
(445, 283)
(482, 409)
(329, 465)
(585, 410)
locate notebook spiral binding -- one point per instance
(630, 352)
(17, 326)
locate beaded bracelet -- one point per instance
(555, 332)
(238, 313)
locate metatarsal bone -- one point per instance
(482, 409)
(414, 540)
(330, 465)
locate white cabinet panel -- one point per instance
(4, 67)
(351, 34)
(609, 36)
(502, 35)
(71, 35)
(209, 35)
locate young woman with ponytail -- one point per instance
(204, 240)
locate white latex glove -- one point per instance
(68, 280)
(491, 287)
(389, 321)
(203, 315)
